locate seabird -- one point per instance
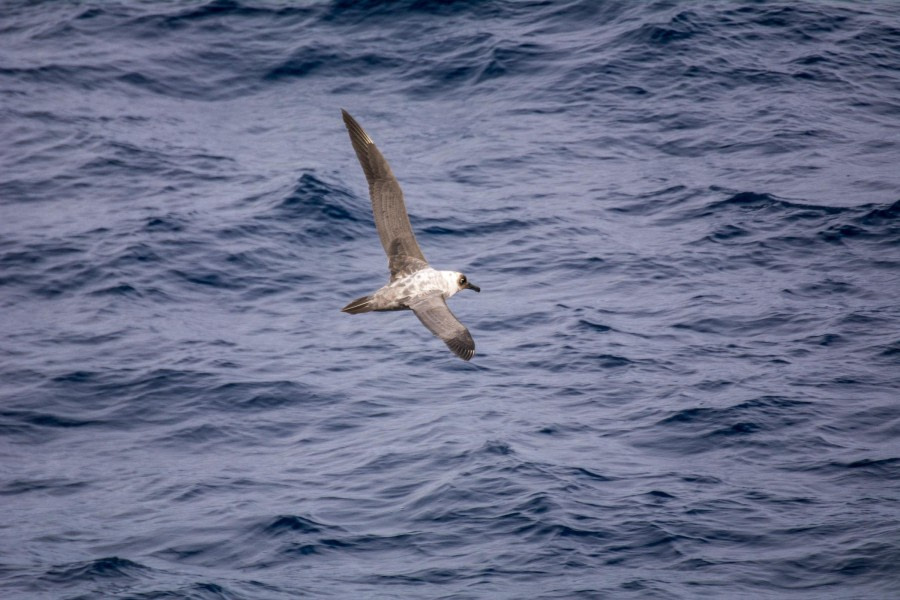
(414, 285)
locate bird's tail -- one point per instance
(360, 305)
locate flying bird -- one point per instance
(414, 285)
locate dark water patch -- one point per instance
(877, 216)
(352, 545)
(323, 213)
(50, 270)
(610, 361)
(290, 536)
(582, 473)
(700, 429)
(263, 396)
(453, 226)
(496, 447)
(566, 17)
(69, 279)
(538, 504)
(201, 491)
(821, 569)
(883, 469)
(522, 322)
(49, 487)
(127, 163)
(474, 63)
(31, 263)
(215, 11)
(65, 75)
(119, 290)
(541, 531)
(828, 339)
(210, 84)
(635, 538)
(247, 275)
(892, 349)
(653, 202)
(518, 263)
(888, 468)
(43, 426)
(170, 223)
(727, 233)
(92, 339)
(206, 434)
(12, 427)
(508, 59)
(325, 61)
(679, 28)
(825, 288)
(315, 199)
(100, 569)
(752, 201)
(213, 591)
(836, 234)
(784, 323)
(219, 280)
(96, 392)
(586, 325)
(376, 11)
(292, 524)
(714, 385)
(208, 390)
(57, 421)
(573, 360)
(139, 255)
(658, 497)
(205, 591)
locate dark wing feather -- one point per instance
(436, 316)
(391, 219)
(402, 265)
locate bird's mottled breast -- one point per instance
(420, 282)
(400, 292)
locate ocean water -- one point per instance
(685, 221)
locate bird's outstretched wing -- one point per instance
(391, 219)
(432, 310)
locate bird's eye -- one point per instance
(462, 280)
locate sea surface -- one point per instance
(685, 221)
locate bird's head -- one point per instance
(457, 282)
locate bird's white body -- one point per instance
(397, 294)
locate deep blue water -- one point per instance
(685, 221)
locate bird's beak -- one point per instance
(473, 287)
